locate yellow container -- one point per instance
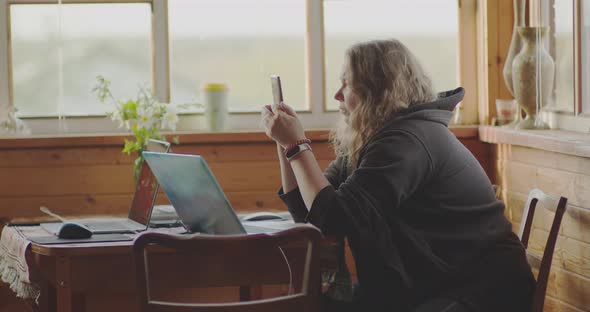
(215, 100)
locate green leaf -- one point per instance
(126, 111)
(137, 168)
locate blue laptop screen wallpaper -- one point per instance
(194, 192)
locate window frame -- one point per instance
(316, 116)
(578, 120)
(578, 25)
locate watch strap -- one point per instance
(298, 142)
(296, 150)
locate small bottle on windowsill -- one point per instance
(457, 115)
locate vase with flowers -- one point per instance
(145, 117)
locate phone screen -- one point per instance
(277, 91)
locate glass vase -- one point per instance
(533, 71)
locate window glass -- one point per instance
(564, 56)
(239, 43)
(585, 46)
(429, 28)
(74, 43)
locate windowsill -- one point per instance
(92, 140)
(560, 141)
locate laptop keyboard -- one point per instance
(108, 226)
(253, 229)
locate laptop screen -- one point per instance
(194, 192)
(144, 196)
(146, 189)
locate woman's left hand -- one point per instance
(282, 124)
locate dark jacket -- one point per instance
(421, 218)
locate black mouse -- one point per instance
(74, 230)
(262, 216)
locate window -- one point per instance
(57, 52)
(569, 46)
(240, 43)
(56, 48)
(562, 50)
(585, 50)
(423, 26)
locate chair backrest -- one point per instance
(217, 261)
(497, 190)
(537, 196)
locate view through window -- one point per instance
(564, 57)
(429, 28)
(57, 52)
(239, 43)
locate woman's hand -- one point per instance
(282, 124)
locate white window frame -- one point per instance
(577, 120)
(316, 117)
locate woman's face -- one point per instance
(348, 100)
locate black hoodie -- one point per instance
(421, 218)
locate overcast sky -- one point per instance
(192, 18)
(237, 17)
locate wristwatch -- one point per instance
(295, 150)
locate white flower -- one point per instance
(116, 116)
(144, 117)
(129, 123)
(170, 118)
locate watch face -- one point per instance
(293, 151)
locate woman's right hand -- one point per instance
(282, 124)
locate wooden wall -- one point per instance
(90, 176)
(519, 169)
(495, 21)
(99, 179)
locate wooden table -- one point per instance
(67, 273)
(98, 276)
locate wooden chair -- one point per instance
(218, 261)
(537, 196)
(497, 191)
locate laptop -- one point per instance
(197, 198)
(140, 211)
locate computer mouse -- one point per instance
(70, 230)
(262, 216)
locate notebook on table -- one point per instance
(197, 197)
(138, 219)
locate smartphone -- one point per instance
(277, 91)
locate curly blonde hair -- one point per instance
(385, 77)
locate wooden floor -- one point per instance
(8, 302)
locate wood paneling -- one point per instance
(553, 140)
(71, 180)
(575, 223)
(496, 20)
(570, 288)
(520, 173)
(556, 305)
(94, 177)
(551, 160)
(570, 254)
(519, 169)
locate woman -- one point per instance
(420, 214)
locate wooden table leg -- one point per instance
(250, 292)
(245, 293)
(47, 298)
(66, 300)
